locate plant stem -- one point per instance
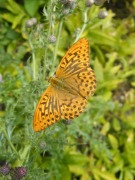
(33, 60)
(84, 24)
(48, 34)
(57, 42)
(33, 63)
(10, 143)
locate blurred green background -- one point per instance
(34, 36)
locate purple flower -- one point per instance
(4, 169)
(18, 173)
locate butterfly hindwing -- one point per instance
(85, 82)
(71, 105)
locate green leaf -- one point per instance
(9, 17)
(31, 6)
(99, 53)
(100, 37)
(14, 7)
(105, 128)
(17, 20)
(73, 159)
(77, 169)
(128, 175)
(116, 125)
(65, 173)
(133, 83)
(98, 70)
(105, 175)
(113, 141)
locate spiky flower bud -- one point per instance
(89, 3)
(63, 1)
(52, 39)
(42, 145)
(18, 173)
(68, 3)
(67, 122)
(66, 11)
(31, 22)
(99, 2)
(102, 14)
(39, 27)
(4, 169)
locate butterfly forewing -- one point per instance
(75, 59)
(47, 110)
(74, 69)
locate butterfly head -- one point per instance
(49, 79)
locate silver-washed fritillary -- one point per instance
(73, 83)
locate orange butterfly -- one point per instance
(73, 83)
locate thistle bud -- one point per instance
(18, 173)
(89, 3)
(99, 2)
(68, 3)
(4, 169)
(52, 39)
(67, 122)
(31, 22)
(63, 1)
(66, 11)
(42, 145)
(102, 14)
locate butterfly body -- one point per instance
(73, 83)
(60, 84)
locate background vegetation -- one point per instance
(100, 144)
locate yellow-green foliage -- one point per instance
(100, 144)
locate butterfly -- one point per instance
(70, 87)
